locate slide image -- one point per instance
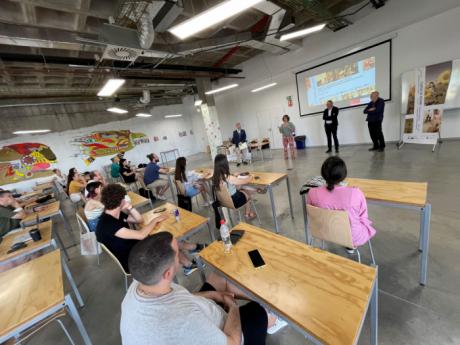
(432, 120)
(437, 78)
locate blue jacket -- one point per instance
(239, 138)
(377, 114)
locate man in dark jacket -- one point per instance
(239, 137)
(330, 125)
(374, 111)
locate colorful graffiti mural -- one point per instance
(25, 161)
(107, 143)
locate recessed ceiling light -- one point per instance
(211, 17)
(171, 116)
(231, 86)
(110, 87)
(143, 115)
(198, 102)
(263, 87)
(303, 32)
(33, 131)
(117, 110)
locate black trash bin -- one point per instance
(300, 141)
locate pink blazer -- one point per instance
(348, 199)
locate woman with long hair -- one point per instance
(75, 185)
(192, 182)
(287, 130)
(337, 196)
(93, 207)
(223, 179)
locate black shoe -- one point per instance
(245, 163)
(373, 149)
(337, 150)
(238, 164)
(382, 149)
(329, 151)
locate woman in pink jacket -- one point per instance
(334, 196)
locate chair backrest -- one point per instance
(224, 198)
(330, 225)
(81, 220)
(180, 187)
(114, 258)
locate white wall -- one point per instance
(67, 152)
(424, 32)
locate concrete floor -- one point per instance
(408, 313)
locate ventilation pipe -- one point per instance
(145, 99)
(145, 26)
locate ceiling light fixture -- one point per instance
(264, 87)
(117, 110)
(231, 86)
(198, 102)
(171, 116)
(303, 32)
(211, 17)
(110, 87)
(143, 115)
(33, 131)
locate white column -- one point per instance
(212, 127)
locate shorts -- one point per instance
(254, 320)
(239, 199)
(191, 191)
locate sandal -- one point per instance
(251, 215)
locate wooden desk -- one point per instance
(138, 200)
(43, 186)
(34, 247)
(189, 222)
(32, 292)
(206, 173)
(269, 180)
(323, 295)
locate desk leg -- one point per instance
(305, 218)
(171, 187)
(76, 318)
(211, 232)
(425, 235)
(272, 202)
(66, 223)
(200, 265)
(375, 311)
(61, 244)
(289, 195)
(151, 204)
(72, 283)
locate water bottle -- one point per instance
(225, 235)
(177, 214)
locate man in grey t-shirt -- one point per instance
(156, 311)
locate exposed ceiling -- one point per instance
(61, 52)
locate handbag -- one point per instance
(243, 146)
(88, 244)
(147, 193)
(184, 202)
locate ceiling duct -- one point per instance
(167, 15)
(145, 99)
(145, 24)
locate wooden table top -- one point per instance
(266, 178)
(188, 221)
(401, 192)
(324, 294)
(49, 210)
(43, 186)
(171, 171)
(30, 289)
(137, 200)
(206, 173)
(45, 230)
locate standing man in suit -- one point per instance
(239, 137)
(374, 111)
(330, 125)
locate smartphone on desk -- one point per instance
(256, 258)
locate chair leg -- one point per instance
(255, 210)
(65, 331)
(239, 215)
(126, 283)
(322, 244)
(359, 255)
(371, 251)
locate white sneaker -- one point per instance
(279, 324)
(161, 197)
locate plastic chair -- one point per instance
(256, 147)
(332, 226)
(265, 142)
(82, 223)
(180, 187)
(114, 258)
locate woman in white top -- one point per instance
(93, 207)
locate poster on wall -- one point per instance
(107, 143)
(25, 161)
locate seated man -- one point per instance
(152, 179)
(113, 229)
(11, 213)
(157, 311)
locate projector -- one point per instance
(377, 3)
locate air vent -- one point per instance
(121, 53)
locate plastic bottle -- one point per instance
(177, 215)
(225, 235)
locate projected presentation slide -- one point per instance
(347, 81)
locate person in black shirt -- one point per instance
(330, 125)
(126, 173)
(374, 111)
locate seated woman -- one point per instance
(126, 173)
(223, 179)
(192, 182)
(75, 185)
(96, 175)
(93, 207)
(335, 196)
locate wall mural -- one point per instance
(108, 143)
(25, 161)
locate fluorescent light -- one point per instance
(117, 110)
(263, 87)
(198, 102)
(211, 17)
(171, 116)
(303, 32)
(110, 87)
(143, 115)
(33, 131)
(231, 86)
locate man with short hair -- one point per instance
(152, 178)
(331, 123)
(11, 213)
(239, 139)
(374, 111)
(59, 177)
(157, 311)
